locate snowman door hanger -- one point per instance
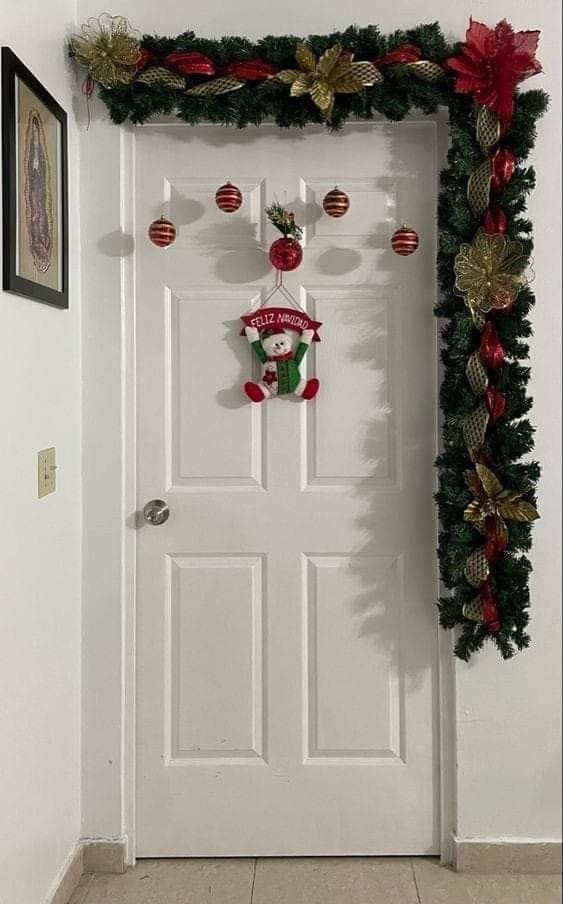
(271, 330)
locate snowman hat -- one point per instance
(265, 334)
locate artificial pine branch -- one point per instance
(284, 220)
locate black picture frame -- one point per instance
(35, 223)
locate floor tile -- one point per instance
(440, 885)
(81, 890)
(176, 882)
(334, 880)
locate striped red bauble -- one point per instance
(162, 232)
(404, 241)
(336, 202)
(228, 198)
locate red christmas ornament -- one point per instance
(492, 63)
(228, 198)
(495, 221)
(496, 404)
(491, 350)
(336, 202)
(404, 241)
(503, 164)
(249, 70)
(285, 254)
(189, 63)
(162, 232)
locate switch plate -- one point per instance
(46, 472)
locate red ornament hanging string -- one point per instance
(87, 91)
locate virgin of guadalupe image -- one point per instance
(37, 193)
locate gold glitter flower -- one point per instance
(491, 500)
(490, 272)
(108, 48)
(332, 73)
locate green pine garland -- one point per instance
(511, 438)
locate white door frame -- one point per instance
(446, 671)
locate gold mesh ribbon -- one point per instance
(488, 128)
(476, 373)
(475, 428)
(479, 188)
(476, 568)
(108, 48)
(474, 609)
(367, 73)
(222, 85)
(425, 70)
(479, 319)
(158, 75)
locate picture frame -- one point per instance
(35, 187)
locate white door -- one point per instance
(286, 610)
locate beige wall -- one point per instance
(40, 538)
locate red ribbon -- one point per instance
(491, 350)
(405, 53)
(281, 319)
(489, 611)
(189, 63)
(87, 91)
(495, 221)
(496, 543)
(496, 404)
(146, 58)
(503, 164)
(249, 70)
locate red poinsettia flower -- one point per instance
(492, 63)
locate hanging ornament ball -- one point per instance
(286, 254)
(336, 202)
(228, 198)
(162, 233)
(404, 241)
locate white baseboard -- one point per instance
(67, 878)
(104, 855)
(470, 855)
(484, 855)
(90, 855)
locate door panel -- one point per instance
(286, 642)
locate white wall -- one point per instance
(508, 744)
(40, 538)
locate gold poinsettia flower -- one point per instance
(332, 73)
(490, 272)
(108, 48)
(491, 500)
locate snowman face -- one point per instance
(277, 345)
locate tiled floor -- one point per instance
(354, 880)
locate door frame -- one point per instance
(444, 693)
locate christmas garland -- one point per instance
(486, 495)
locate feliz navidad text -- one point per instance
(282, 318)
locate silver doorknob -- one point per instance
(156, 512)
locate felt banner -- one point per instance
(281, 319)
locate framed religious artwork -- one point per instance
(35, 187)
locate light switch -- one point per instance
(46, 472)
